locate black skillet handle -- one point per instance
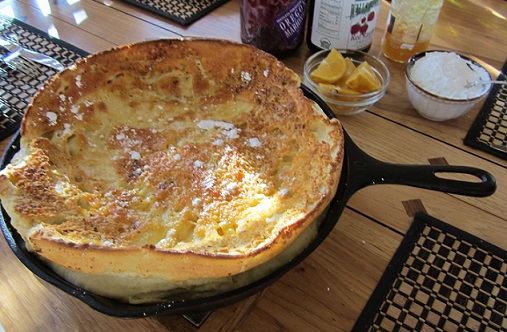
(426, 176)
(366, 170)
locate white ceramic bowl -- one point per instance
(434, 106)
(346, 104)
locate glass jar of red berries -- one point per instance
(275, 26)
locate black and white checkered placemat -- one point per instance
(490, 125)
(183, 12)
(17, 88)
(440, 279)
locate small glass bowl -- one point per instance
(438, 108)
(347, 104)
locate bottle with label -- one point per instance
(274, 26)
(342, 24)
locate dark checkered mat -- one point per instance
(16, 88)
(490, 125)
(440, 279)
(183, 12)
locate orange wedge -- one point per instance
(336, 88)
(363, 79)
(330, 69)
(347, 91)
(329, 89)
(328, 86)
(338, 93)
(349, 69)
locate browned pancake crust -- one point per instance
(178, 159)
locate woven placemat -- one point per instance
(440, 279)
(490, 125)
(183, 12)
(16, 88)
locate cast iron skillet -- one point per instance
(359, 170)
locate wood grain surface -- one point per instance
(328, 290)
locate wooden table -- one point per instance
(328, 291)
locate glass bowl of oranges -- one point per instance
(349, 81)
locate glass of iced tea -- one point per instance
(409, 27)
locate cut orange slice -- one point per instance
(338, 89)
(349, 69)
(363, 79)
(330, 69)
(336, 92)
(328, 86)
(329, 89)
(347, 91)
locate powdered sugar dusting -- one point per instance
(229, 130)
(245, 76)
(254, 142)
(446, 74)
(67, 129)
(79, 84)
(52, 118)
(210, 124)
(135, 155)
(231, 133)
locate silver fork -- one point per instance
(26, 66)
